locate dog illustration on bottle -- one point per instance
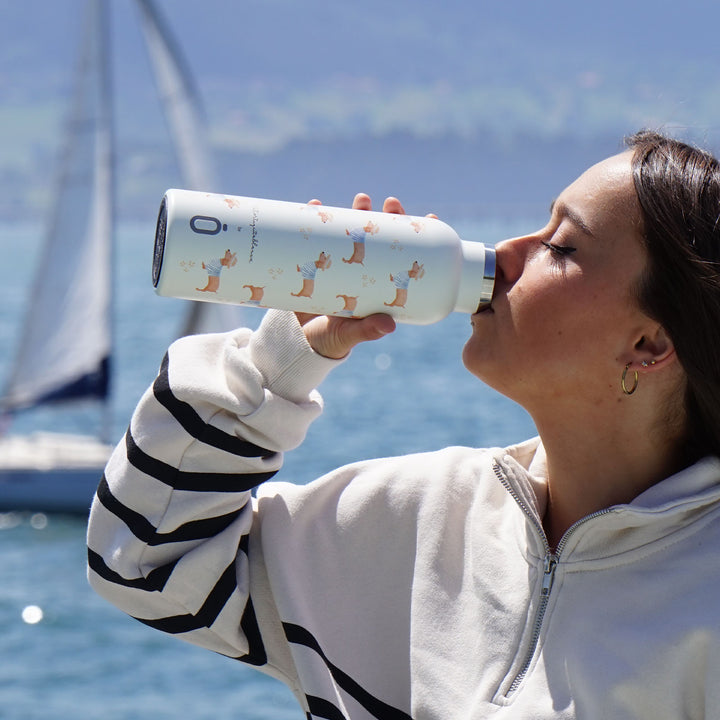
(214, 268)
(349, 305)
(358, 236)
(257, 293)
(401, 280)
(308, 271)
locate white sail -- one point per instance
(186, 121)
(65, 348)
(180, 100)
(66, 342)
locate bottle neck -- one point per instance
(477, 277)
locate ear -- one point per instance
(654, 350)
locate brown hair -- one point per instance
(678, 187)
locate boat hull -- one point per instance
(46, 472)
(56, 491)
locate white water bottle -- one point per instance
(316, 259)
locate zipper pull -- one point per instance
(549, 565)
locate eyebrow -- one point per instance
(570, 214)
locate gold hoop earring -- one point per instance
(625, 389)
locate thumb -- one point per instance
(372, 327)
(335, 337)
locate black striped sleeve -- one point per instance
(321, 708)
(194, 481)
(194, 425)
(206, 615)
(154, 582)
(142, 529)
(257, 655)
(189, 622)
(139, 526)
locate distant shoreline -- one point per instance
(451, 176)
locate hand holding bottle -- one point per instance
(334, 337)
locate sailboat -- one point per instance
(65, 354)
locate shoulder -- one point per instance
(389, 487)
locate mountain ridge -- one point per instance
(289, 85)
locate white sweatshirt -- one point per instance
(412, 587)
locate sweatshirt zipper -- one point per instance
(550, 563)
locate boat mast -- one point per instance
(107, 186)
(187, 125)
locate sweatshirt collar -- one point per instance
(700, 481)
(668, 505)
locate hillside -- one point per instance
(462, 105)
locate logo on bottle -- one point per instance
(206, 225)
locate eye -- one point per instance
(559, 251)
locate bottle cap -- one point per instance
(477, 277)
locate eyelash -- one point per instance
(558, 251)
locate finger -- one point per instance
(362, 202)
(393, 205)
(432, 215)
(314, 201)
(304, 318)
(349, 333)
(335, 337)
(371, 327)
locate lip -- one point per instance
(484, 310)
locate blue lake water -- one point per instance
(66, 653)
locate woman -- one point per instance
(573, 575)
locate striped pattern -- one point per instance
(194, 425)
(195, 481)
(216, 618)
(323, 708)
(193, 531)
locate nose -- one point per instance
(510, 257)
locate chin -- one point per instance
(487, 368)
(471, 358)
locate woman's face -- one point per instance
(564, 319)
